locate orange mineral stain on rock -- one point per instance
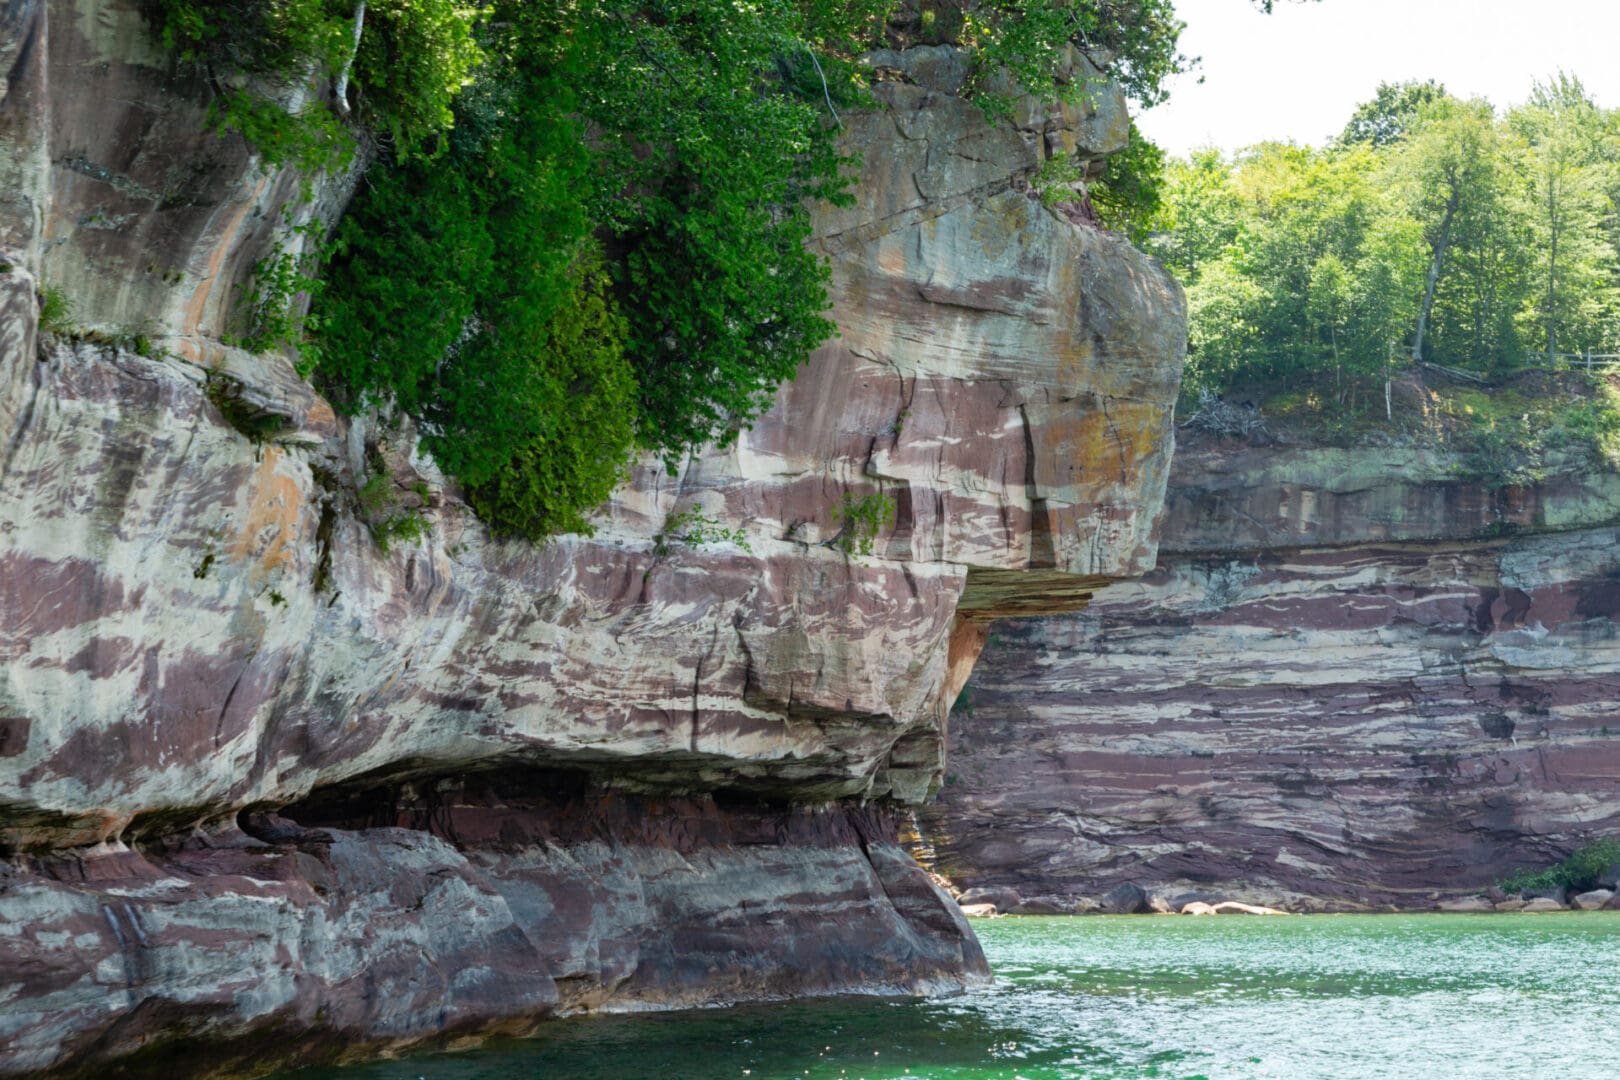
(274, 517)
(1105, 443)
(197, 307)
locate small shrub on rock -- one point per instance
(1582, 871)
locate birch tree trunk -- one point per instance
(1435, 265)
(341, 89)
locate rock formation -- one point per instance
(1354, 680)
(259, 777)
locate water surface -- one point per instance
(1340, 996)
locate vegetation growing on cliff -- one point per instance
(585, 233)
(1435, 247)
(406, 61)
(1578, 872)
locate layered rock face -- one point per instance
(1352, 681)
(256, 775)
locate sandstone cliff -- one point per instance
(1353, 680)
(259, 777)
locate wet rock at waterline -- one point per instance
(1465, 904)
(1542, 904)
(1003, 899)
(1126, 898)
(516, 897)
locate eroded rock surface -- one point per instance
(197, 628)
(1353, 680)
(435, 911)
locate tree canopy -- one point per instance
(584, 235)
(1433, 230)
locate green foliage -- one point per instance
(469, 292)
(1578, 872)
(55, 310)
(1059, 180)
(270, 314)
(257, 424)
(695, 529)
(860, 520)
(607, 251)
(1595, 422)
(1568, 175)
(136, 339)
(56, 318)
(1393, 111)
(280, 45)
(310, 139)
(1433, 230)
(1129, 196)
(1507, 452)
(408, 526)
(562, 443)
(384, 509)
(413, 57)
(1026, 41)
(1529, 429)
(258, 37)
(723, 299)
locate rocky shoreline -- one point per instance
(1131, 899)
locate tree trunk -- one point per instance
(1338, 368)
(340, 91)
(1552, 271)
(1389, 410)
(1434, 275)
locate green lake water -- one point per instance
(1331, 996)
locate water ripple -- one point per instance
(1223, 998)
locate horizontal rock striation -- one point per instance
(197, 627)
(1352, 684)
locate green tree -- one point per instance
(1129, 196)
(1472, 322)
(1026, 41)
(1445, 167)
(1226, 311)
(407, 59)
(1565, 203)
(1201, 213)
(1392, 112)
(1329, 303)
(599, 210)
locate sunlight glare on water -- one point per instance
(1221, 997)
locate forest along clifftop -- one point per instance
(260, 773)
(1370, 674)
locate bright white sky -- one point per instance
(1299, 72)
